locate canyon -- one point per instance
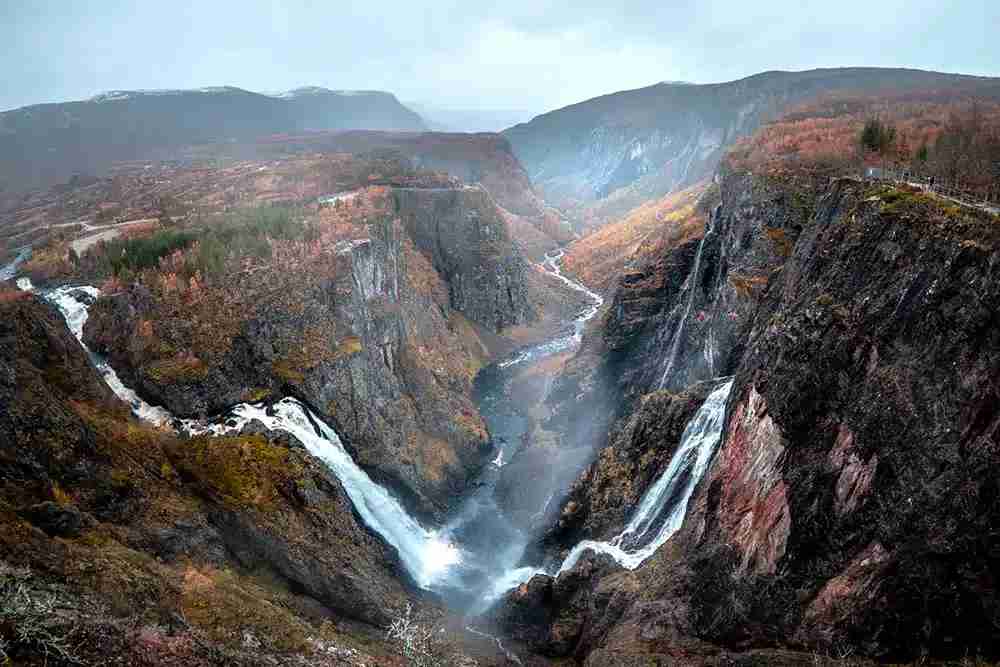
(753, 420)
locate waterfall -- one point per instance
(662, 508)
(691, 285)
(473, 557)
(665, 503)
(73, 303)
(425, 554)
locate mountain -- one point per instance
(360, 426)
(613, 152)
(45, 144)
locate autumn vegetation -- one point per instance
(955, 140)
(645, 231)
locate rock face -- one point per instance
(466, 238)
(126, 524)
(683, 317)
(383, 343)
(850, 504)
(628, 147)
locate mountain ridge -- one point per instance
(610, 153)
(48, 143)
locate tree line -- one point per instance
(965, 153)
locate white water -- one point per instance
(662, 508)
(671, 492)
(424, 553)
(691, 285)
(73, 303)
(563, 343)
(436, 559)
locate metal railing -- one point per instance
(940, 187)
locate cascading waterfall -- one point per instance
(662, 508)
(425, 553)
(73, 303)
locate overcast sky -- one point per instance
(515, 54)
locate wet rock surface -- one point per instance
(850, 503)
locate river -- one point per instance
(479, 552)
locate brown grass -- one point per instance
(670, 221)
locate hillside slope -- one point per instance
(45, 144)
(613, 152)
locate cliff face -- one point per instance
(467, 241)
(850, 504)
(145, 542)
(483, 159)
(385, 325)
(683, 317)
(622, 149)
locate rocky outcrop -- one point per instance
(129, 526)
(850, 505)
(469, 244)
(409, 352)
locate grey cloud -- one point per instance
(517, 54)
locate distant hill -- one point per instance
(47, 143)
(613, 152)
(470, 120)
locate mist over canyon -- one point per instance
(690, 374)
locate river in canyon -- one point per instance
(481, 550)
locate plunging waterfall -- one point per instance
(662, 508)
(424, 553)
